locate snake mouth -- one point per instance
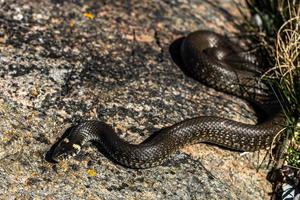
(65, 150)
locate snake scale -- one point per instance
(216, 62)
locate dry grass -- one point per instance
(285, 75)
(277, 29)
(285, 78)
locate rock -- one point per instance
(62, 62)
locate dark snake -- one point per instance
(216, 62)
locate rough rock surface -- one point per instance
(65, 61)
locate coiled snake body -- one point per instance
(215, 61)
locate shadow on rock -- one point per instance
(49, 154)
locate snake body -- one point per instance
(216, 62)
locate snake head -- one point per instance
(65, 149)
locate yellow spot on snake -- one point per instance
(76, 146)
(66, 140)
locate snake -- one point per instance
(217, 62)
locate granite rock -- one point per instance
(66, 61)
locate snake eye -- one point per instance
(65, 149)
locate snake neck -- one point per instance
(152, 152)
